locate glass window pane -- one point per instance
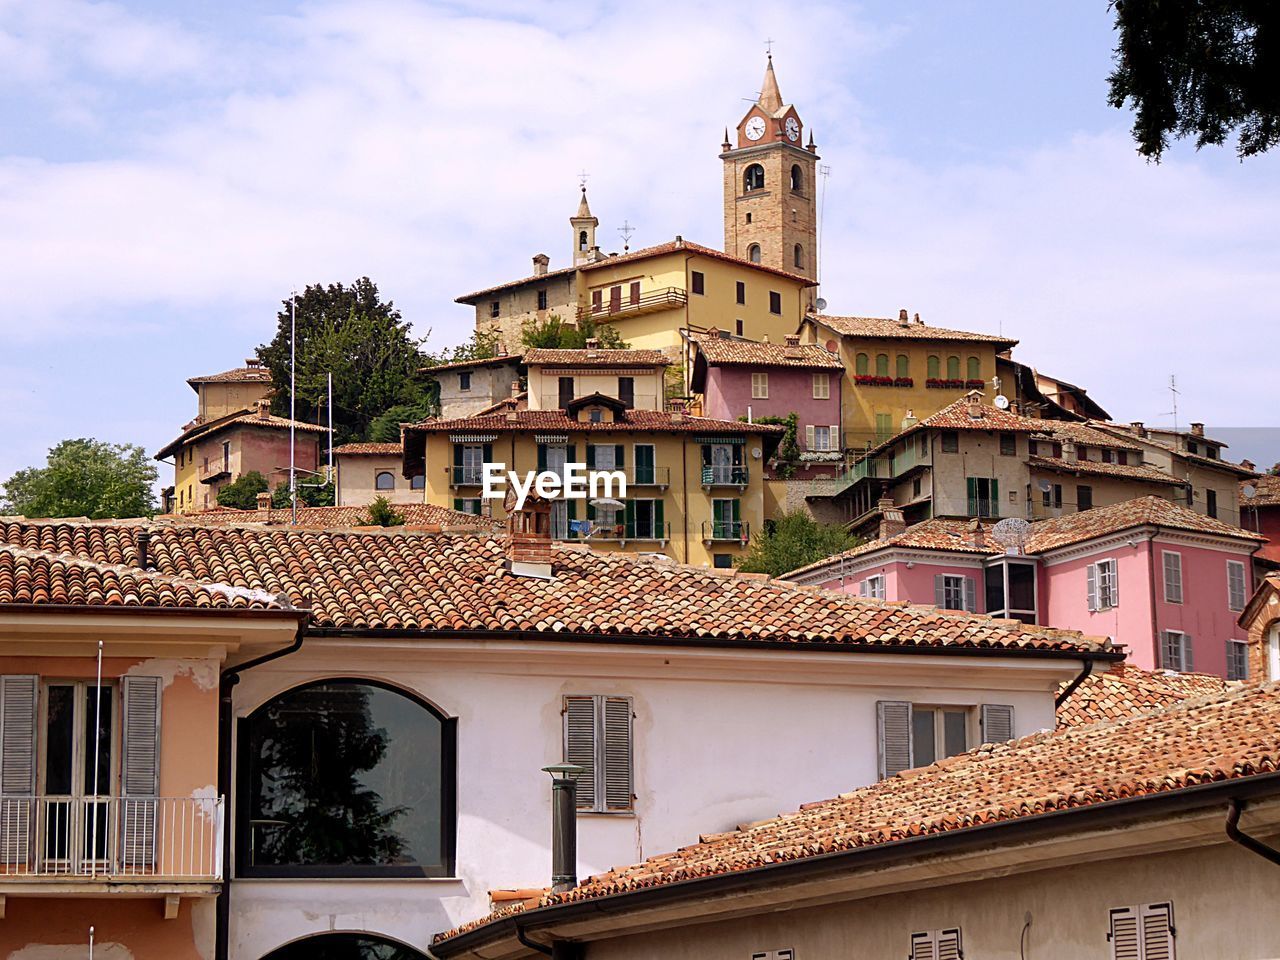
(954, 731)
(924, 744)
(59, 740)
(344, 946)
(1022, 586)
(102, 784)
(994, 577)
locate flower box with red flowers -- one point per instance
(866, 380)
(936, 384)
(903, 382)
(975, 384)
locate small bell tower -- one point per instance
(584, 231)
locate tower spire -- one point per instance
(584, 230)
(770, 97)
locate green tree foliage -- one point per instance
(351, 332)
(1199, 68)
(382, 514)
(794, 539)
(309, 494)
(554, 334)
(242, 493)
(385, 428)
(481, 345)
(85, 478)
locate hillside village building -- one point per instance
(365, 471)
(1259, 501)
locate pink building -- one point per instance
(1164, 581)
(743, 378)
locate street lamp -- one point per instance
(564, 824)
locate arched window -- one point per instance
(346, 778)
(753, 253)
(419, 482)
(861, 365)
(345, 946)
(882, 364)
(582, 240)
(797, 178)
(753, 178)
(385, 480)
(953, 368)
(975, 369)
(934, 367)
(904, 365)
(799, 252)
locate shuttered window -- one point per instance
(821, 386)
(598, 738)
(1175, 651)
(17, 765)
(759, 386)
(997, 722)
(1103, 585)
(1143, 932)
(1237, 660)
(936, 945)
(1172, 577)
(955, 593)
(1235, 585)
(872, 587)
(893, 735)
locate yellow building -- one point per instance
(695, 487)
(556, 377)
(900, 371)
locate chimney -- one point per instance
(1139, 428)
(144, 550)
(1015, 407)
(529, 552)
(792, 351)
(1197, 429)
(675, 406)
(501, 348)
(264, 501)
(564, 825)
(540, 263)
(264, 409)
(919, 322)
(515, 389)
(977, 536)
(253, 363)
(892, 522)
(765, 338)
(975, 404)
(902, 318)
(593, 344)
(713, 331)
(909, 420)
(679, 240)
(1248, 465)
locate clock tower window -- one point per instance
(797, 179)
(582, 240)
(753, 178)
(799, 258)
(753, 253)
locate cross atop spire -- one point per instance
(770, 97)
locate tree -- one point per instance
(794, 539)
(85, 478)
(242, 492)
(362, 340)
(1200, 68)
(382, 514)
(310, 494)
(554, 334)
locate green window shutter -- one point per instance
(457, 454)
(591, 456)
(629, 518)
(572, 455)
(542, 457)
(457, 504)
(935, 368)
(619, 457)
(882, 364)
(736, 508)
(971, 487)
(659, 522)
(861, 365)
(488, 453)
(706, 454)
(995, 497)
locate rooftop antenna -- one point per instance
(626, 230)
(824, 171)
(293, 399)
(91, 943)
(335, 486)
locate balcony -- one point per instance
(466, 476)
(726, 531)
(649, 477)
(654, 301)
(725, 475)
(213, 472)
(638, 532)
(90, 842)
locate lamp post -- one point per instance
(564, 824)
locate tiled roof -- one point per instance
(1085, 435)
(723, 352)
(1128, 432)
(511, 284)
(518, 402)
(401, 580)
(1126, 690)
(1096, 468)
(244, 419)
(953, 536)
(886, 328)
(597, 358)
(367, 450)
(38, 577)
(332, 518)
(1233, 736)
(1267, 489)
(238, 375)
(481, 362)
(636, 420)
(688, 246)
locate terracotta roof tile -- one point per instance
(886, 328)
(510, 284)
(725, 351)
(596, 358)
(688, 246)
(332, 518)
(1268, 491)
(1096, 468)
(238, 375)
(246, 418)
(1128, 433)
(479, 362)
(368, 450)
(1125, 690)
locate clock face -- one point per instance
(755, 128)
(793, 129)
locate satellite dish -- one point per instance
(1045, 486)
(1001, 402)
(1011, 533)
(1249, 491)
(820, 304)
(755, 453)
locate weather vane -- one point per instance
(626, 230)
(582, 180)
(768, 48)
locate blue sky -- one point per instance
(168, 171)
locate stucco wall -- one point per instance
(489, 384)
(914, 584)
(1065, 599)
(1205, 613)
(728, 396)
(357, 481)
(544, 385)
(125, 928)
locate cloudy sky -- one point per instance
(170, 170)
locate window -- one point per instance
(953, 368)
(1237, 660)
(904, 366)
(722, 561)
(615, 298)
(1236, 597)
(862, 365)
(936, 945)
(872, 587)
(741, 292)
(1008, 444)
(1108, 456)
(882, 364)
(582, 240)
(797, 178)
(226, 455)
(722, 463)
(627, 390)
(798, 253)
(643, 520)
(914, 735)
(1051, 496)
(975, 369)
(595, 415)
(1143, 932)
(739, 328)
(950, 441)
(954, 592)
(1010, 589)
(1102, 585)
(983, 496)
(753, 178)
(748, 217)
(1082, 453)
(1175, 651)
(1211, 502)
(884, 427)
(597, 737)
(821, 438)
(418, 482)
(698, 282)
(753, 253)
(495, 308)
(468, 461)
(1172, 577)
(915, 486)
(372, 764)
(775, 302)
(467, 505)
(1084, 497)
(385, 480)
(822, 386)
(934, 367)
(348, 946)
(565, 388)
(464, 380)
(759, 386)
(542, 299)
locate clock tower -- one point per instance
(770, 211)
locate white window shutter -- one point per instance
(1115, 583)
(970, 595)
(1124, 935)
(809, 437)
(893, 736)
(17, 765)
(1172, 577)
(140, 768)
(1091, 579)
(924, 946)
(949, 944)
(833, 438)
(617, 753)
(1157, 931)
(940, 591)
(580, 745)
(997, 722)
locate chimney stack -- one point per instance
(515, 389)
(903, 321)
(253, 363)
(909, 420)
(1139, 428)
(977, 536)
(593, 344)
(975, 404)
(529, 552)
(540, 264)
(264, 409)
(919, 322)
(144, 550)
(675, 406)
(1248, 464)
(564, 825)
(792, 350)
(892, 521)
(264, 501)
(1197, 429)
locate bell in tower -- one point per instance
(584, 232)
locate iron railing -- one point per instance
(725, 475)
(468, 476)
(622, 532)
(663, 299)
(111, 838)
(649, 477)
(726, 530)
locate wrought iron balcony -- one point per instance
(724, 531)
(649, 477)
(722, 475)
(666, 298)
(466, 476)
(636, 531)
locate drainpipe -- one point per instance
(226, 715)
(1234, 834)
(1081, 677)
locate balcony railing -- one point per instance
(111, 838)
(649, 477)
(210, 472)
(651, 302)
(720, 531)
(637, 532)
(723, 475)
(465, 476)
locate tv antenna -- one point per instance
(626, 230)
(824, 172)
